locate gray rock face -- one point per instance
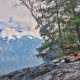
(69, 71)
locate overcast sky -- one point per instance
(20, 14)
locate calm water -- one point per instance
(20, 62)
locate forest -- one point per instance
(58, 22)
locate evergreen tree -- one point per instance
(58, 21)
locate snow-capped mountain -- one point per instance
(11, 32)
(14, 43)
(17, 50)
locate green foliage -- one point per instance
(45, 45)
(68, 32)
(53, 58)
(58, 22)
(75, 21)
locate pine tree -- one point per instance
(58, 21)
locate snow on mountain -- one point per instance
(11, 32)
(12, 37)
(19, 49)
(17, 46)
(30, 37)
(18, 53)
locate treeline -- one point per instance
(58, 22)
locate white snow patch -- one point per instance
(10, 33)
(30, 37)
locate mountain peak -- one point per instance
(8, 33)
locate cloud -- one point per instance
(20, 14)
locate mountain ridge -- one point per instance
(18, 52)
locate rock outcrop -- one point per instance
(66, 71)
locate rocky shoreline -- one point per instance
(66, 71)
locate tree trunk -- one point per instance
(78, 32)
(58, 22)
